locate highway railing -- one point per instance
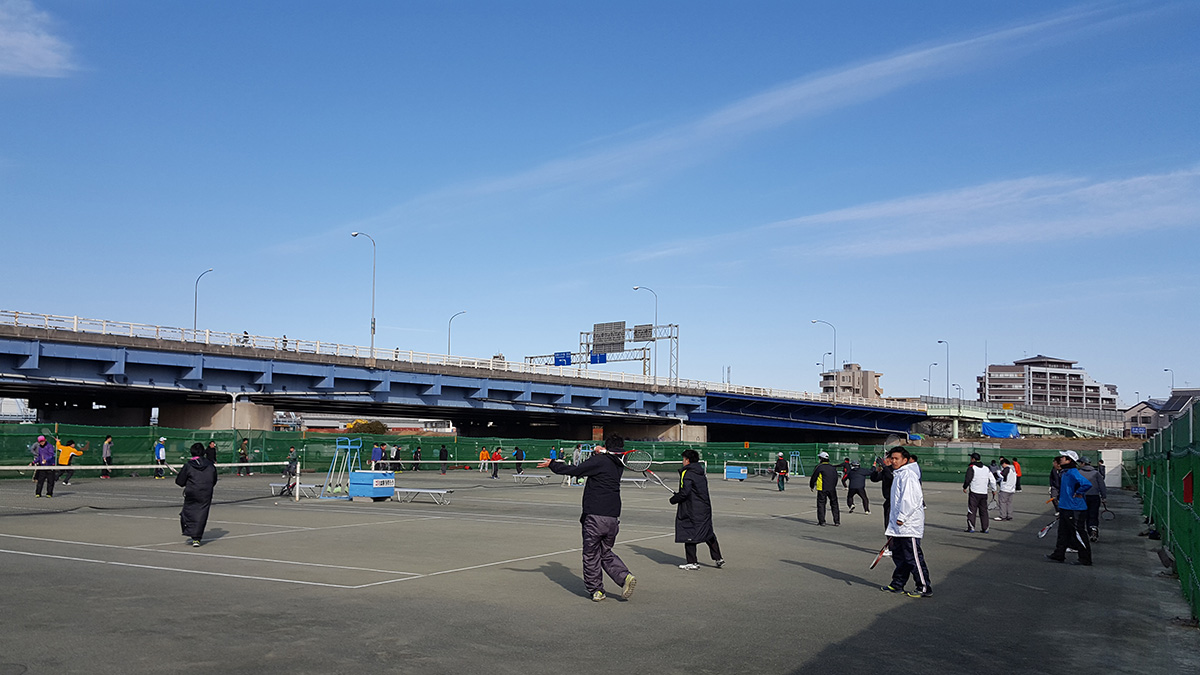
(285, 344)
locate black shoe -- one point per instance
(1053, 559)
(837, 524)
(821, 524)
(891, 589)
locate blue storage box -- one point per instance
(373, 484)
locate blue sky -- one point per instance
(1013, 177)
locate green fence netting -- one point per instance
(1166, 467)
(134, 445)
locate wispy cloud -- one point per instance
(27, 46)
(1026, 210)
(650, 156)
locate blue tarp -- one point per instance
(1000, 430)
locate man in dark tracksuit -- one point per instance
(197, 477)
(443, 457)
(781, 471)
(600, 518)
(824, 481)
(857, 478)
(693, 512)
(883, 473)
(1072, 511)
(1093, 498)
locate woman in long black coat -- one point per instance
(197, 478)
(693, 512)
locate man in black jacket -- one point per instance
(857, 477)
(781, 471)
(600, 517)
(693, 512)
(443, 457)
(824, 481)
(198, 477)
(883, 473)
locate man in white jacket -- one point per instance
(906, 527)
(1007, 488)
(978, 484)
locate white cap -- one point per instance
(162, 438)
(781, 454)
(1070, 453)
(823, 455)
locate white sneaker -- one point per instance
(689, 566)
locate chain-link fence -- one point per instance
(1166, 467)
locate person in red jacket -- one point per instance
(1017, 468)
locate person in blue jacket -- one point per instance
(1072, 511)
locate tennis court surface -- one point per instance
(98, 580)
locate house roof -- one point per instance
(1040, 358)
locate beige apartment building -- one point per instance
(852, 380)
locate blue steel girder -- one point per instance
(29, 364)
(798, 414)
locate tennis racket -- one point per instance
(1042, 532)
(640, 461)
(1105, 514)
(883, 550)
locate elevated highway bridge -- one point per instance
(90, 371)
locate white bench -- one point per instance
(541, 478)
(312, 491)
(640, 482)
(408, 494)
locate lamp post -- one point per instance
(929, 380)
(836, 366)
(960, 391)
(947, 343)
(1172, 372)
(196, 301)
(374, 248)
(647, 288)
(823, 369)
(448, 325)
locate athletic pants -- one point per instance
(861, 492)
(599, 535)
(831, 497)
(1093, 511)
(1018, 483)
(495, 469)
(714, 549)
(159, 473)
(1072, 533)
(106, 473)
(1004, 500)
(46, 477)
(781, 479)
(977, 502)
(887, 512)
(66, 475)
(909, 560)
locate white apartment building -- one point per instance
(1045, 381)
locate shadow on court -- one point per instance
(837, 575)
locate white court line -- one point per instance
(499, 562)
(298, 530)
(205, 555)
(177, 569)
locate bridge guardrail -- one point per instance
(316, 347)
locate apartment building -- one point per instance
(852, 380)
(1045, 381)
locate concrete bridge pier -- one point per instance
(235, 415)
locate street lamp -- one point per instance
(373, 250)
(1168, 370)
(835, 361)
(960, 391)
(929, 389)
(652, 332)
(823, 369)
(196, 301)
(947, 343)
(448, 324)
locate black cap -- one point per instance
(975, 455)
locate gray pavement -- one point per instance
(97, 580)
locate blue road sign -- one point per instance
(562, 358)
(599, 358)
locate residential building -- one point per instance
(852, 380)
(1045, 381)
(1146, 418)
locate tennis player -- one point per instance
(197, 477)
(600, 517)
(693, 513)
(906, 526)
